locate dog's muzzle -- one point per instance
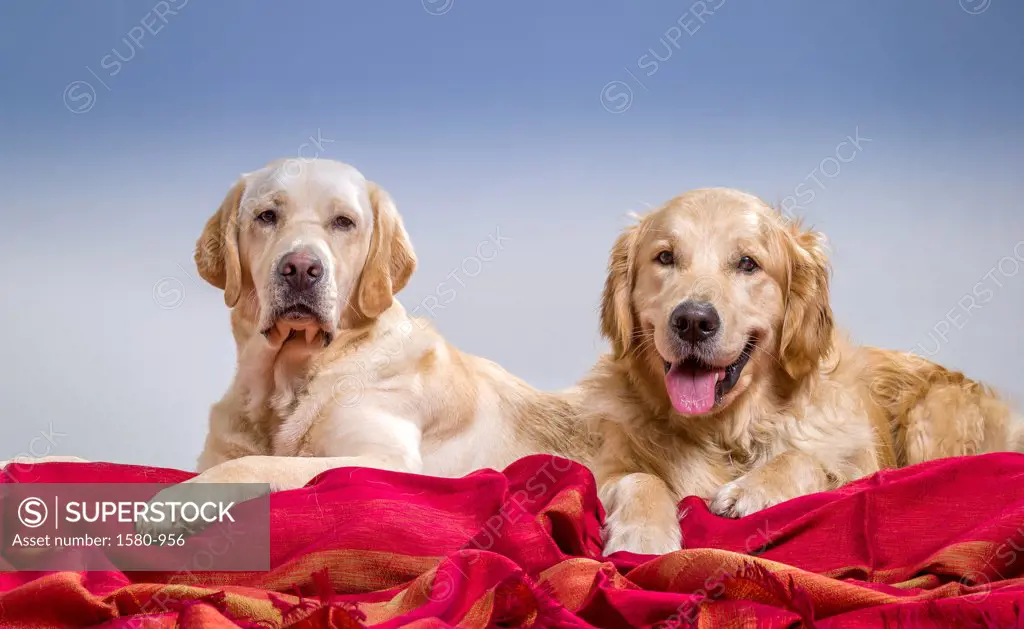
(298, 308)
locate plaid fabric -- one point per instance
(940, 544)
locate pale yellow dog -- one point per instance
(332, 371)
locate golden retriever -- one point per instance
(332, 370)
(728, 381)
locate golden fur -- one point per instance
(808, 412)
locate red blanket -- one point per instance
(935, 545)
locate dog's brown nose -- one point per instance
(300, 269)
(695, 321)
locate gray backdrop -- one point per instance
(124, 124)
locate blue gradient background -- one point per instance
(488, 116)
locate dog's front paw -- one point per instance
(160, 520)
(207, 496)
(648, 536)
(743, 497)
(642, 540)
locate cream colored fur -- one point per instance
(386, 391)
(364, 384)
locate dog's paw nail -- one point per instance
(726, 502)
(739, 499)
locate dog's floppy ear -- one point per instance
(217, 248)
(617, 321)
(807, 325)
(390, 261)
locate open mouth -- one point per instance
(695, 387)
(298, 321)
(296, 312)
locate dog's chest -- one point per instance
(702, 468)
(268, 412)
(288, 405)
(698, 473)
(274, 401)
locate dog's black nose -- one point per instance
(695, 321)
(300, 269)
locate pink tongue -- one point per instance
(691, 390)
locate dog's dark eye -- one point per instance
(267, 217)
(343, 222)
(747, 264)
(666, 258)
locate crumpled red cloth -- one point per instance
(936, 545)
